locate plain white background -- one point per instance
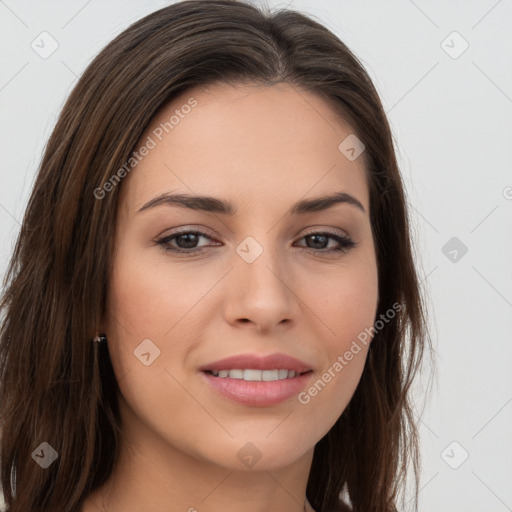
(450, 109)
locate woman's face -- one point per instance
(257, 283)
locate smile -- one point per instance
(256, 375)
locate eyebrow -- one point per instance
(215, 205)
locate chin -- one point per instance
(260, 454)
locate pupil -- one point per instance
(322, 242)
(190, 243)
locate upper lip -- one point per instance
(258, 362)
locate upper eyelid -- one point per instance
(201, 232)
(340, 231)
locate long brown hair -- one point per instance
(58, 388)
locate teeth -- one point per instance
(252, 374)
(270, 375)
(256, 375)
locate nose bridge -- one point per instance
(261, 278)
(259, 266)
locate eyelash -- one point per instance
(346, 243)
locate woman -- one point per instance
(212, 303)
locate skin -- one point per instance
(263, 148)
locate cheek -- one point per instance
(142, 307)
(149, 297)
(335, 382)
(346, 306)
(153, 300)
(345, 301)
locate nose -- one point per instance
(261, 294)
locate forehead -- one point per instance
(252, 144)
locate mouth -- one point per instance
(257, 381)
(255, 375)
(257, 367)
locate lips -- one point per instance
(257, 362)
(251, 379)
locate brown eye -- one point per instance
(184, 242)
(319, 241)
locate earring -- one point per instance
(99, 338)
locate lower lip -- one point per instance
(258, 393)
